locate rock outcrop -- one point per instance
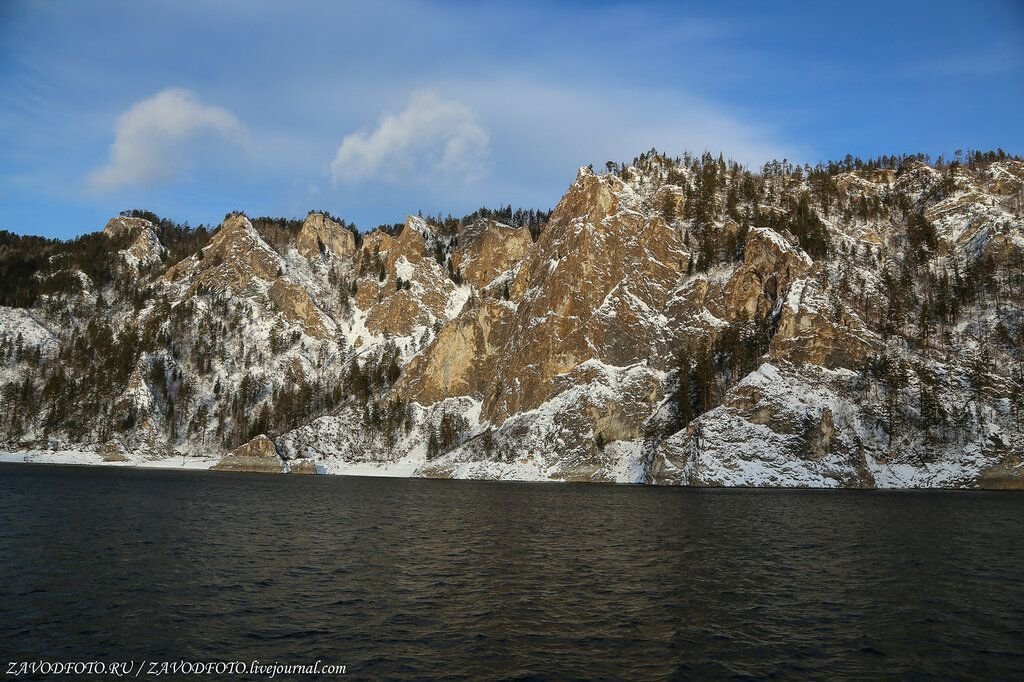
(141, 246)
(578, 297)
(234, 259)
(400, 290)
(298, 307)
(321, 237)
(813, 330)
(258, 456)
(489, 249)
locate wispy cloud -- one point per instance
(432, 139)
(153, 138)
(586, 122)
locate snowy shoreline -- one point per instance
(366, 470)
(87, 458)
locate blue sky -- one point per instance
(376, 110)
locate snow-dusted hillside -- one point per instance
(675, 321)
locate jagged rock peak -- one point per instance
(320, 236)
(415, 231)
(236, 226)
(593, 197)
(142, 246)
(235, 255)
(123, 227)
(401, 288)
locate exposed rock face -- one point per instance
(143, 247)
(461, 360)
(779, 427)
(812, 330)
(1006, 178)
(1007, 474)
(576, 296)
(871, 182)
(113, 451)
(233, 260)
(321, 237)
(258, 455)
(489, 249)
(298, 307)
(126, 229)
(579, 298)
(385, 260)
(771, 263)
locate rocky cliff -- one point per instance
(673, 321)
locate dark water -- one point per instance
(415, 578)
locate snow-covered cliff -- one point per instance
(675, 321)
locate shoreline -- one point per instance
(93, 459)
(88, 458)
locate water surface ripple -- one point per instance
(419, 578)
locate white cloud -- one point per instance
(431, 140)
(155, 138)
